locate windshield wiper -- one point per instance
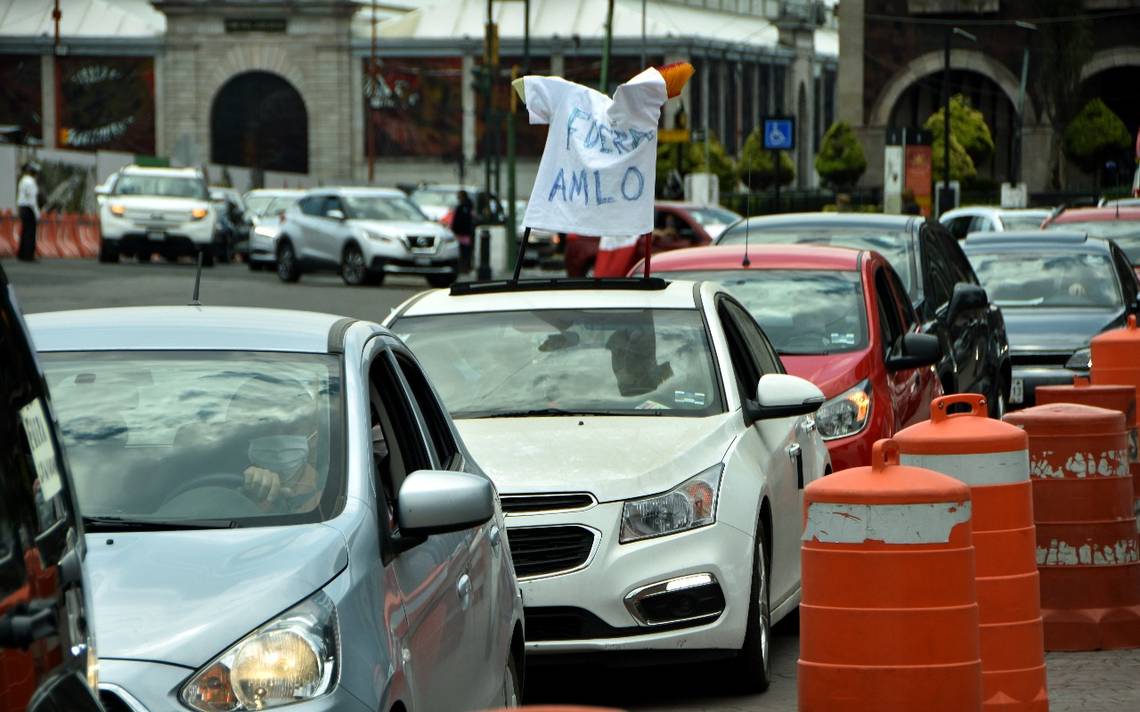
(539, 412)
(122, 524)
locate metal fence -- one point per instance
(803, 201)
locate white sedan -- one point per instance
(651, 455)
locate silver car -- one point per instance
(278, 512)
(266, 207)
(365, 234)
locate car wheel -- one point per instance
(207, 257)
(754, 662)
(441, 280)
(512, 687)
(143, 255)
(108, 253)
(353, 269)
(287, 269)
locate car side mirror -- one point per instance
(967, 297)
(439, 501)
(335, 214)
(779, 395)
(102, 190)
(917, 350)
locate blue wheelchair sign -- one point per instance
(779, 134)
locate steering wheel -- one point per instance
(214, 479)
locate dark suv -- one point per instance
(947, 297)
(47, 656)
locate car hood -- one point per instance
(399, 228)
(612, 457)
(1056, 330)
(831, 373)
(157, 202)
(182, 597)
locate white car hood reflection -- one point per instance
(612, 457)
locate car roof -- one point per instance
(1026, 240)
(359, 190)
(731, 257)
(1102, 214)
(825, 220)
(161, 171)
(188, 328)
(676, 295)
(275, 191)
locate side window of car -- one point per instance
(743, 365)
(311, 205)
(979, 223)
(906, 309)
(446, 450)
(1128, 283)
(960, 226)
(890, 326)
(939, 281)
(331, 202)
(397, 444)
(758, 345)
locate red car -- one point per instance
(675, 225)
(839, 318)
(1119, 224)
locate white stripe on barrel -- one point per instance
(989, 468)
(926, 523)
(1060, 553)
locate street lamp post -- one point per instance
(944, 197)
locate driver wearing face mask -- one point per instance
(282, 419)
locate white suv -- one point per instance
(165, 211)
(365, 234)
(651, 454)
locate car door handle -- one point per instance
(495, 535)
(796, 453)
(807, 425)
(463, 588)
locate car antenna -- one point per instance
(197, 282)
(520, 255)
(748, 211)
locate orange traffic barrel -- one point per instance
(889, 614)
(992, 458)
(1113, 397)
(1086, 536)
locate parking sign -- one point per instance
(780, 133)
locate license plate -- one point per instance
(423, 261)
(157, 235)
(1017, 391)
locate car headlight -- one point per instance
(290, 659)
(269, 231)
(199, 213)
(689, 505)
(380, 237)
(846, 413)
(118, 210)
(1081, 360)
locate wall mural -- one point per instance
(417, 107)
(107, 103)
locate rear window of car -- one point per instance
(1125, 233)
(897, 246)
(1042, 278)
(162, 186)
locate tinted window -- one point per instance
(959, 227)
(397, 442)
(980, 223)
(174, 435)
(801, 311)
(604, 361)
(1048, 278)
(312, 204)
(890, 325)
(446, 451)
(939, 278)
(743, 363)
(758, 346)
(897, 246)
(165, 186)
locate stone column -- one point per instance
(49, 125)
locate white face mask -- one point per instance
(284, 454)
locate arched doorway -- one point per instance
(259, 120)
(1116, 87)
(922, 98)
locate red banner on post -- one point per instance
(919, 176)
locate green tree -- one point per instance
(722, 164)
(967, 126)
(961, 165)
(840, 161)
(1095, 135)
(759, 167)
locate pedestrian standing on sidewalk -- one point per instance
(28, 202)
(463, 225)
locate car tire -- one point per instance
(108, 254)
(512, 685)
(441, 281)
(287, 267)
(254, 266)
(143, 256)
(754, 661)
(207, 257)
(353, 269)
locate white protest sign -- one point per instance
(597, 174)
(36, 427)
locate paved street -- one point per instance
(1079, 682)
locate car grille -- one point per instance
(421, 243)
(555, 623)
(1039, 359)
(541, 551)
(535, 503)
(112, 702)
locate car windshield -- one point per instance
(374, 207)
(165, 186)
(713, 216)
(435, 198)
(896, 246)
(261, 203)
(173, 437)
(1022, 221)
(802, 311)
(1125, 233)
(1051, 279)
(568, 361)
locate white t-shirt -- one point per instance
(597, 173)
(27, 193)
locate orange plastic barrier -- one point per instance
(1116, 360)
(1122, 398)
(993, 459)
(1086, 536)
(9, 233)
(889, 616)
